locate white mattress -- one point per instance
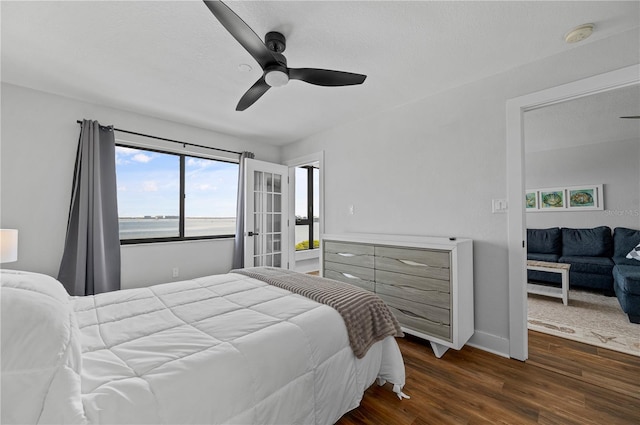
(223, 349)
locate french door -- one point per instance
(266, 221)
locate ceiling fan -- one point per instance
(632, 117)
(272, 61)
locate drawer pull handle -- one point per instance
(350, 276)
(346, 254)
(411, 314)
(413, 263)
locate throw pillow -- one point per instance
(635, 253)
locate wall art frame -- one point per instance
(587, 197)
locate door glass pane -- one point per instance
(257, 223)
(269, 223)
(277, 183)
(269, 201)
(277, 223)
(276, 243)
(277, 260)
(269, 244)
(257, 200)
(257, 180)
(277, 203)
(269, 178)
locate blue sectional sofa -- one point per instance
(589, 252)
(598, 261)
(626, 272)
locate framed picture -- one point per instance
(531, 200)
(552, 199)
(588, 197)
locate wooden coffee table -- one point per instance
(550, 291)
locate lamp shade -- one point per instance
(8, 245)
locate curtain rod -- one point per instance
(171, 140)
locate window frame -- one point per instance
(309, 220)
(181, 219)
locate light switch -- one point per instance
(499, 206)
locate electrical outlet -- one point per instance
(176, 272)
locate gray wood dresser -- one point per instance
(426, 281)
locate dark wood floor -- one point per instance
(563, 382)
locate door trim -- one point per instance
(292, 164)
(516, 227)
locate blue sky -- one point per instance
(149, 184)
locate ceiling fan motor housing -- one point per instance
(275, 42)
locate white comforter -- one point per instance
(221, 349)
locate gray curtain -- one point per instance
(91, 259)
(238, 249)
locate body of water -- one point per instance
(140, 228)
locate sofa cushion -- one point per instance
(624, 240)
(550, 258)
(593, 265)
(634, 254)
(544, 241)
(595, 242)
(627, 278)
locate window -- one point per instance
(163, 196)
(307, 207)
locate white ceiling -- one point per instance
(585, 121)
(173, 60)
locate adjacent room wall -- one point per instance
(432, 167)
(39, 142)
(614, 164)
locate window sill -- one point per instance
(307, 254)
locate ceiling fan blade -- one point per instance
(632, 117)
(326, 77)
(241, 32)
(254, 93)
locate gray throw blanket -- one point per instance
(366, 316)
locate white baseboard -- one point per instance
(487, 342)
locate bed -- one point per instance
(223, 349)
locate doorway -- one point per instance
(518, 341)
(306, 211)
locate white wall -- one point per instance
(432, 168)
(615, 164)
(39, 137)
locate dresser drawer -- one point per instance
(362, 283)
(360, 276)
(427, 322)
(348, 253)
(417, 262)
(432, 298)
(418, 282)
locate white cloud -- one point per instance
(198, 162)
(126, 151)
(150, 186)
(140, 157)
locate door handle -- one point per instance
(252, 234)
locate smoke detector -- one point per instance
(579, 33)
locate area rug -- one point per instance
(590, 317)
